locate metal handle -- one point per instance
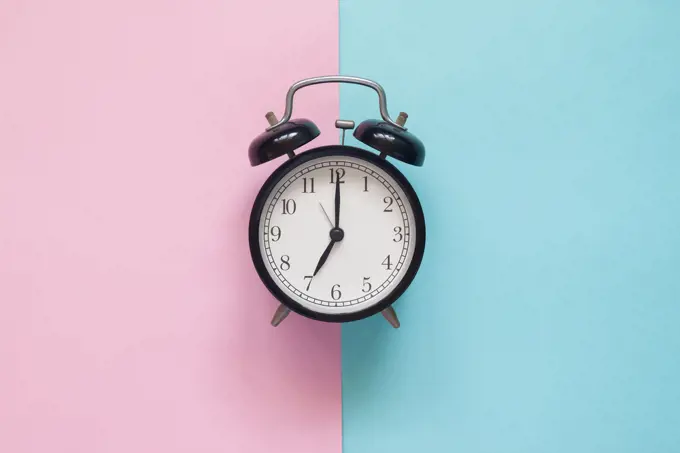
(382, 99)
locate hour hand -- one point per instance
(324, 257)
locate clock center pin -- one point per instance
(337, 234)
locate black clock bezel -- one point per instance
(259, 206)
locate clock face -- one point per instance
(365, 259)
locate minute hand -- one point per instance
(337, 200)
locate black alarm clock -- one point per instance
(337, 233)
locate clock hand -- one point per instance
(324, 257)
(336, 236)
(326, 214)
(337, 200)
(336, 233)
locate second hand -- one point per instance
(326, 214)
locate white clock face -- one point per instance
(367, 260)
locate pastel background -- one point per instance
(131, 319)
(545, 315)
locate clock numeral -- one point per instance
(289, 206)
(339, 173)
(275, 233)
(388, 201)
(335, 293)
(398, 236)
(367, 285)
(285, 262)
(309, 282)
(387, 262)
(365, 183)
(304, 185)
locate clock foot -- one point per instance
(391, 317)
(281, 312)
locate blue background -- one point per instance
(546, 315)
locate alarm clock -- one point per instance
(337, 232)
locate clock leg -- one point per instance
(281, 312)
(391, 317)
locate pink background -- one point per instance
(131, 319)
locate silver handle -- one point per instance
(382, 99)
